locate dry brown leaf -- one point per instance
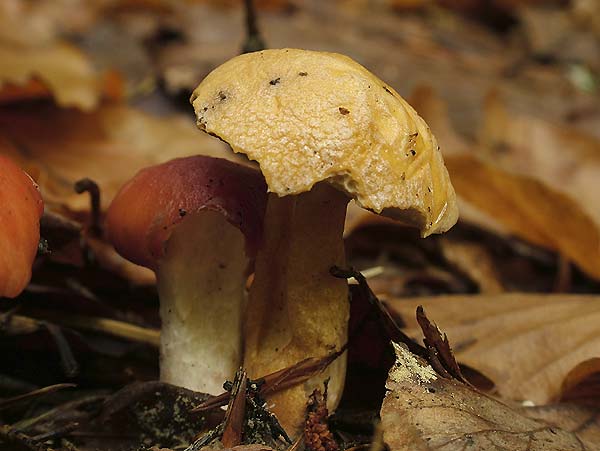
(516, 201)
(509, 202)
(423, 411)
(525, 343)
(528, 208)
(561, 156)
(582, 420)
(39, 22)
(582, 384)
(58, 69)
(109, 145)
(474, 260)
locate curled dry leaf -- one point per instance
(475, 261)
(582, 420)
(109, 145)
(525, 343)
(422, 411)
(497, 197)
(529, 208)
(582, 384)
(57, 70)
(507, 202)
(560, 155)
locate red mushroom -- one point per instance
(21, 208)
(196, 222)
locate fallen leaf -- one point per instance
(279, 380)
(474, 260)
(528, 208)
(555, 32)
(525, 343)
(233, 424)
(440, 354)
(582, 384)
(38, 23)
(57, 70)
(513, 199)
(582, 420)
(61, 146)
(560, 155)
(423, 411)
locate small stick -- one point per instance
(236, 411)
(88, 185)
(60, 412)
(19, 324)
(57, 433)
(5, 403)
(281, 379)
(112, 327)
(254, 41)
(298, 444)
(206, 439)
(392, 329)
(69, 364)
(8, 435)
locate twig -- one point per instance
(88, 185)
(9, 436)
(60, 413)
(206, 438)
(259, 414)
(19, 324)
(58, 432)
(236, 411)
(113, 327)
(280, 380)
(392, 329)
(254, 41)
(298, 444)
(9, 402)
(67, 359)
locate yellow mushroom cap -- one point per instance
(309, 116)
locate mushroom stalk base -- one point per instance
(201, 284)
(297, 309)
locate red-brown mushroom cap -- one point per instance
(142, 216)
(21, 208)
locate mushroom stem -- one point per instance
(297, 309)
(201, 285)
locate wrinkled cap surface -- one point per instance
(21, 208)
(146, 210)
(308, 117)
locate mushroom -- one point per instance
(196, 222)
(21, 208)
(323, 130)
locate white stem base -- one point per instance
(201, 284)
